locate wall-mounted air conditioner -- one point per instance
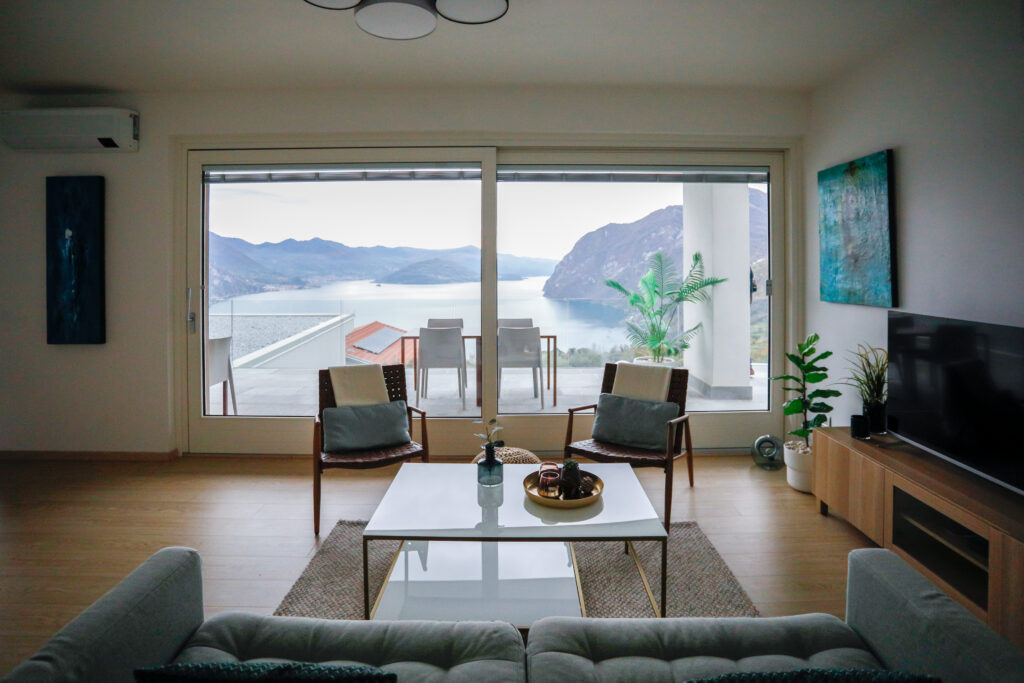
(76, 129)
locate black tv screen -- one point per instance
(956, 389)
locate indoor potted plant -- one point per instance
(807, 403)
(489, 469)
(661, 293)
(869, 375)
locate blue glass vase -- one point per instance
(489, 469)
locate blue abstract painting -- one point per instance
(856, 232)
(75, 296)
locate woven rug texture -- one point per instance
(700, 584)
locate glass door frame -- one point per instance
(713, 430)
(293, 435)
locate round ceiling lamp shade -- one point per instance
(334, 4)
(472, 11)
(396, 19)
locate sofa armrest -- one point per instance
(913, 626)
(142, 621)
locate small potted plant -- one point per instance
(662, 291)
(869, 371)
(489, 469)
(807, 403)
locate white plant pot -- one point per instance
(799, 465)
(649, 360)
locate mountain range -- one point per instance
(620, 251)
(239, 267)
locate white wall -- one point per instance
(950, 102)
(120, 396)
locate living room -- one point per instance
(98, 472)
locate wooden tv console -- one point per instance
(963, 532)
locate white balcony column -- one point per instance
(716, 222)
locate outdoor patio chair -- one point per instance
(515, 322)
(678, 432)
(519, 347)
(394, 381)
(218, 370)
(451, 322)
(441, 347)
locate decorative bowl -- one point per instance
(530, 486)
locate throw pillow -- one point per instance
(360, 428)
(632, 421)
(265, 672)
(821, 676)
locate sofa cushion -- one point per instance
(672, 650)
(632, 421)
(264, 672)
(414, 650)
(360, 428)
(822, 676)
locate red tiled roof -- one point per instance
(392, 354)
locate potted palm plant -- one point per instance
(869, 371)
(661, 291)
(807, 403)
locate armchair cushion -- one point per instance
(360, 428)
(632, 421)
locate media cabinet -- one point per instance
(963, 532)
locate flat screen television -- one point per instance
(956, 389)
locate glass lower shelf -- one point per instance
(469, 580)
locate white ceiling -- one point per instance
(84, 46)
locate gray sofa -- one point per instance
(895, 619)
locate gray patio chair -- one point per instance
(519, 347)
(441, 347)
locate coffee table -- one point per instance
(474, 552)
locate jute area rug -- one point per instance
(699, 582)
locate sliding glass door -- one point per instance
(343, 258)
(302, 259)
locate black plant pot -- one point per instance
(875, 414)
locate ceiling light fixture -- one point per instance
(410, 19)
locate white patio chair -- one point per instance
(519, 347)
(441, 347)
(218, 370)
(451, 322)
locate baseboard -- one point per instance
(145, 456)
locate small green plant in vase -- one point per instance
(574, 484)
(489, 469)
(809, 404)
(869, 372)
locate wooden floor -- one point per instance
(70, 530)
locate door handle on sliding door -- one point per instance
(190, 315)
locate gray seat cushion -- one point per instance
(414, 650)
(671, 650)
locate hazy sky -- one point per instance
(534, 219)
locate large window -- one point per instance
(302, 259)
(586, 225)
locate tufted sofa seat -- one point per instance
(415, 650)
(562, 649)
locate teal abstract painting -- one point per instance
(855, 232)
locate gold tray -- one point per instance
(530, 485)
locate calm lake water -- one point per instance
(578, 324)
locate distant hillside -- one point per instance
(620, 251)
(433, 271)
(238, 267)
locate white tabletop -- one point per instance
(444, 501)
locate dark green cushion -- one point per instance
(293, 672)
(360, 428)
(820, 676)
(632, 422)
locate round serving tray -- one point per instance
(530, 485)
